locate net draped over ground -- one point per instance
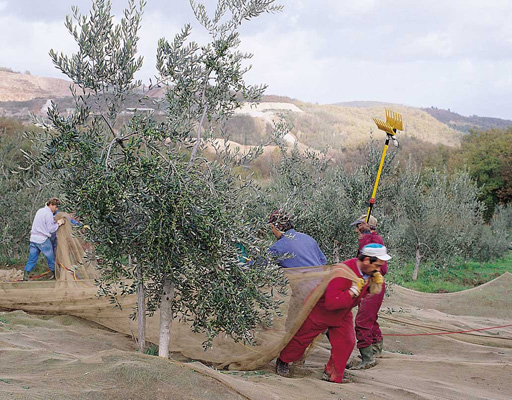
(465, 366)
(74, 293)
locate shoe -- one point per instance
(52, 276)
(367, 360)
(377, 349)
(347, 378)
(282, 368)
(25, 276)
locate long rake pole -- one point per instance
(376, 185)
(393, 123)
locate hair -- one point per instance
(54, 201)
(361, 257)
(364, 228)
(281, 220)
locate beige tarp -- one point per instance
(74, 293)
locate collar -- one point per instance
(289, 233)
(365, 277)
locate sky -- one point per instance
(451, 54)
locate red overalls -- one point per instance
(367, 328)
(332, 312)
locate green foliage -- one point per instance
(488, 156)
(458, 275)
(324, 198)
(434, 214)
(152, 350)
(144, 186)
(22, 195)
(427, 216)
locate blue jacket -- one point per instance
(303, 249)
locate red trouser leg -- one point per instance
(342, 340)
(295, 349)
(367, 327)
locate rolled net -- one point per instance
(74, 293)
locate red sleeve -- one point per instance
(337, 295)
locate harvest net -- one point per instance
(74, 293)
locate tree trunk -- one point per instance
(336, 252)
(141, 310)
(165, 318)
(416, 264)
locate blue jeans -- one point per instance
(47, 249)
(53, 239)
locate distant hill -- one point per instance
(464, 124)
(22, 87)
(338, 127)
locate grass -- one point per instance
(453, 278)
(152, 350)
(19, 263)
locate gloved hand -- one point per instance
(377, 278)
(61, 221)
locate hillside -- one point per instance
(22, 87)
(465, 124)
(337, 127)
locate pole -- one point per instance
(393, 123)
(375, 186)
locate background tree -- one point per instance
(22, 194)
(435, 216)
(146, 188)
(325, 198)
(488, 156)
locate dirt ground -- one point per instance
(64, 357)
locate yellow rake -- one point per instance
(394, 123)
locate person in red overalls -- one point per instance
(333, 312)
(368, 334)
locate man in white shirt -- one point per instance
(42, 228)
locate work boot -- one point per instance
(377, 349)
(367, 360)
(25, 276)
(282, 368)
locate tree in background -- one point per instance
(146, 188)
(424, 215)
(488, 155)
(435, 215)
(325, 198)
(22, 194)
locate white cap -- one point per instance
(376, 250)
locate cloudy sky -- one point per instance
(454, 54)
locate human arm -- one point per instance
(338, 294)
(322, 257)
(50, 224)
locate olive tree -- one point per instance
(148, 187)
(325, 198)
(435, 217)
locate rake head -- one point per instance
(393, 123)
(395, 120)
(383, 126)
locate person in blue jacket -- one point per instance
(293, 249)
